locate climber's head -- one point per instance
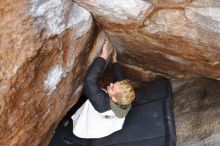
(121, 92)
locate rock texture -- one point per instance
(44, 51)
(197, 112)
(175, 37)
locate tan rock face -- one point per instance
(116, 14)
(175, 37)
(43, 50)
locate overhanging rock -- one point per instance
(177, 38)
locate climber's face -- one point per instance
(113, 89)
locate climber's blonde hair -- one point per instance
(126, 93)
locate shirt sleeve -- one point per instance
(117, 72)
(98, 97)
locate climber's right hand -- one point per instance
(106, 49)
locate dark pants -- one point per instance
(65, 137)
(74, 139)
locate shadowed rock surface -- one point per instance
(46, 48)
(197, 111)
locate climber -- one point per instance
(104, 112)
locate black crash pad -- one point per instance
(150, 122)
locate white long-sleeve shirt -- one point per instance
(88, 123)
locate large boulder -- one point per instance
(178, 38)
(44, 51)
